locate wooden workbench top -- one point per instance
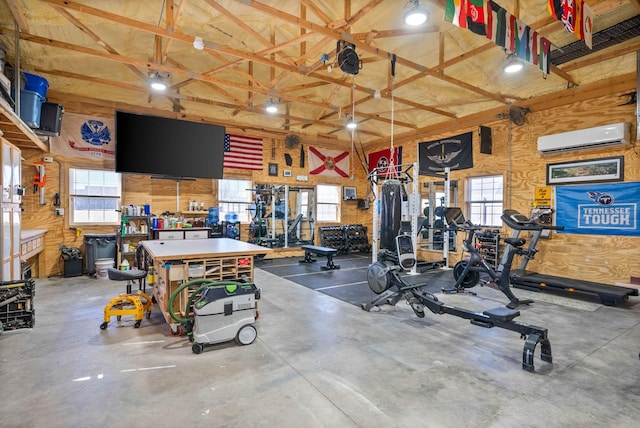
(31, 233)
(201, 248)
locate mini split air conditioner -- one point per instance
(616, 134)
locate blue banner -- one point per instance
(599, 209)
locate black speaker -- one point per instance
(50, 119)
(348, 60)
(485, 140)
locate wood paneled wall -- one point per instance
(590, 257)
(161, 194)
(606, 259)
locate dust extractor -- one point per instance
(222, 311)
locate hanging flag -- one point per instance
(545, 54)
(496, 23)
(555, 8)
(568, 14)
(587, 25)
(599, 209)
(476, 17)
(522, 41)
(334, 163)
(382, 159)
(510, 35)
(455, 11)
(242, 152)
(534, 41)
(454, 152)
(576, 17)
(83, 136)
(577, 27)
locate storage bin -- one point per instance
(30, 107)
(36, 84)
(72, 267)
(196, 270)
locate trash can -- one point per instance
(72, 258)
(98, 246)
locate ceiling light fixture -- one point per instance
(352, 124)
(512, 64)
(158, 81)
(416, 15)
(271, 107)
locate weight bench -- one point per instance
(329, 253)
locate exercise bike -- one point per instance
(384, 278)
(467, 272)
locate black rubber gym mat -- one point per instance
(349, 283)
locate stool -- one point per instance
(129, 276)
(128, 304)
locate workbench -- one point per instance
(178, 261)
(32, 245)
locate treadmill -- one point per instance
(528, 280)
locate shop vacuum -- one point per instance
(218, 311)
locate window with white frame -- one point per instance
(94, 196)
(485, 200)
(328, 202)
(234, 197)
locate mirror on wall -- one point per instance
(431, 222)
(282, 216)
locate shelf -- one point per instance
(138, 221)
(490, 248)
(186, 213)
(16, 131)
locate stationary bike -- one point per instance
(467, 272)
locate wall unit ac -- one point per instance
(614, 135)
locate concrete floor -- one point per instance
(318, 362)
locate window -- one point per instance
(485, 200)
(328, 203)
(234, 196)
(94, 196)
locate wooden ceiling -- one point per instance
(99, 53)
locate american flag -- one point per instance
(242, 152)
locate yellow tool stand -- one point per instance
(127, 304)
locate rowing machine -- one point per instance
(384, 279)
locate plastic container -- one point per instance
(36, 84)
(102, 268)
(196, 270)
(30, 107)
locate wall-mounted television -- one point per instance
(166, 147)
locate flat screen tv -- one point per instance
(170, 148)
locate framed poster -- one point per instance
(587, 171)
